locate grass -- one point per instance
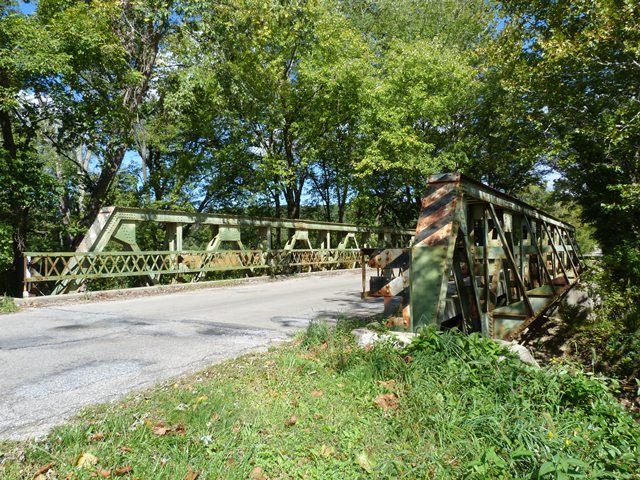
(7, 305)
(447, 407)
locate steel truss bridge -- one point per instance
(478, 260)
(308, 245)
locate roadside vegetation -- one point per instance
(447, 407)
(7, 305)
(607, 340)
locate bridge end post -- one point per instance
(433, 249)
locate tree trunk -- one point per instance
(341, 194)
(19, 244)
(278, 208)
(18, 217)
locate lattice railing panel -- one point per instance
(66, 266)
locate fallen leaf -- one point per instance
(408, 359)
(365, 462)
(215, 416)
(389, 384)
(326, 451)
(201, 399)
(387, 401)
(119, 472)
(317, 393)
(191, 475)
(44, 469)
(258, 474)
(179, 429)
(126, 449)
(97, 437)
(104, 473)
(291, 421)
(86, 460)
(160, 429)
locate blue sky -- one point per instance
(27, 7)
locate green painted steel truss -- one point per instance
(480, 261)
(304, 245)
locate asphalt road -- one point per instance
(55, 360)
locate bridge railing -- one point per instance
(63, 267)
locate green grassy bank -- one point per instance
(449, 406)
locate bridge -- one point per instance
(308, 246)
(478, 260)
(481, 261)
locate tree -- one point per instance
(575, 67)
(25, 57)
(113, 50)
(419, 107)
(271, 67)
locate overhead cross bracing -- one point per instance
(110, 249)
(480, 261)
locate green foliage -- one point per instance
(317, 332)
(455, 407)
(7, 305)
(573, 67)
(6, 253)
(609, 340)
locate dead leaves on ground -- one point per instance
(388, 384)
(258, 474)
(291, 421)
(326, 451)
(387, 401)
(191, 474)
(313, 352)
(86, 460)
(160, 429)
(119, 472)
(40, 473)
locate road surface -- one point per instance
(55, 360)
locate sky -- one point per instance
(27, 7)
